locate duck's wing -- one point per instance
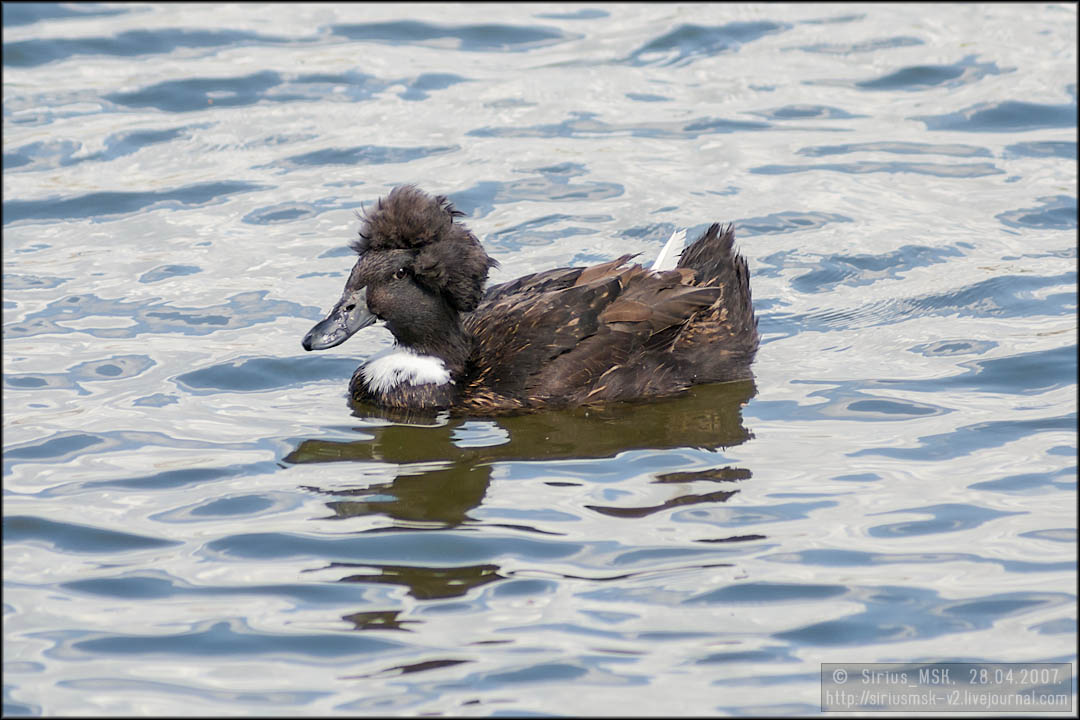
(556, 343)
(558, 279)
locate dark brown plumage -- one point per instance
(570, 336)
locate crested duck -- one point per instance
(569, 336)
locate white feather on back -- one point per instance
(673, 248)
(387, 369)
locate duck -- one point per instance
(571, 336)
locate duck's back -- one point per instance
(613, 331)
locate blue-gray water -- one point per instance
(195, 523)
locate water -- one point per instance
(196, 523)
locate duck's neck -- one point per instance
(447, 342)
(421, 370)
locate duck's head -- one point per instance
(418, 269)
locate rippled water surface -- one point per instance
(196, 521)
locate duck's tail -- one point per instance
(726, 332)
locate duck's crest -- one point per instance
(448, 258)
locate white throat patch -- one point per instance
(389, 368)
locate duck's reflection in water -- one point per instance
(440, 479)
(443, 468)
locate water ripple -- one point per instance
(103, 204)
(470, 38)
(130, 43)
(1003, 116)
(686, 43)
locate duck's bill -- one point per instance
(349, 315)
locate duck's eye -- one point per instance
(401, 273)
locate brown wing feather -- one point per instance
(516, 334)
(561, 342)
(534, 283)
(613, 331)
